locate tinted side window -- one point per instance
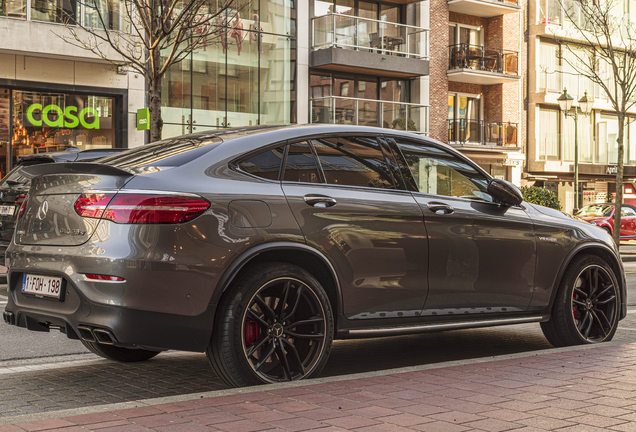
(265, 164)
(353, 161)
(300, 165)
(440, 173)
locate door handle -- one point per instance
(320, 201)
(440, 208)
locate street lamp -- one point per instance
(565, 104)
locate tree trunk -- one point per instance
(618, 203)
(156, 122)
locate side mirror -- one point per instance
(505, 192)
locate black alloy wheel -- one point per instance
(275, 325)
(284, 330)
(586, 307)
(594, 303)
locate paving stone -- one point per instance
(153, 421)
(44, 425)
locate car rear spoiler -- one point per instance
(33, 171)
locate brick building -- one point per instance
(476, 82)
(550, 150)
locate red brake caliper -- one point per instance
(251, 331)
(576, 315)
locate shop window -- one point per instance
(45, 122)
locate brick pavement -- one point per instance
(582, 390)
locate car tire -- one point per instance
(274, 324)
(125, 355)
(587, 303)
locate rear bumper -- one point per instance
(80, 318)
(165, 301)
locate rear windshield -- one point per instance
(164, 154)
(596, 210)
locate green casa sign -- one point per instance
(143, 119)
(67, 118)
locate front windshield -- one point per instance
(596, 210)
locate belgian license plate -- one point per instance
(39, 285)
(6, 210)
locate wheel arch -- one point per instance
(601, 251)
(301, 255)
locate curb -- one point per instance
(270, 387)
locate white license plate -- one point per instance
(7, 210)
(46, 286)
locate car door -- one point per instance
(628, 222)
(348, 205)
(482, 255)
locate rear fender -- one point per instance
(251, 255)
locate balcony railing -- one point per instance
(477, 57)
(362, 34)
(482, 132)
(370, 112)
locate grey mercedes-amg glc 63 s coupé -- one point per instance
(261, 245)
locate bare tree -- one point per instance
(601, 43)
(149, 36)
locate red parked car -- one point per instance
(602, 215)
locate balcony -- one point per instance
(369, 112)
(477, 64)
(347, 43)
(484, 8)
(479, 132)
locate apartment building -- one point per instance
(551, 136)
(476, 82)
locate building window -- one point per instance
(547, 136)
(56, 11)
(13, 8)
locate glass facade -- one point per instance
(243, 75)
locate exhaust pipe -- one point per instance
(104, 336)
(86, 334)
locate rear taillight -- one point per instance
(92, 205)
(141, 208)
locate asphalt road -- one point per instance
(21, 346)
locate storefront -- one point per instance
(38, 120)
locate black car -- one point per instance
(14, 187)
(261, 245)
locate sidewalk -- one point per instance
(582, 389)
